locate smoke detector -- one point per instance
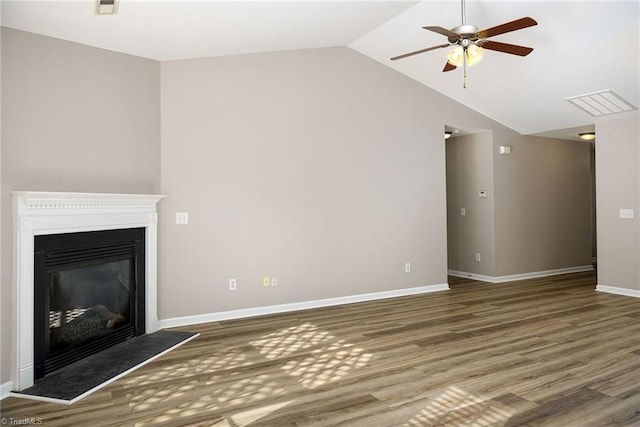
(106, 7)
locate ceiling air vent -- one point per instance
(106, 7)
(601, 103)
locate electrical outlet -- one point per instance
(265, 281)
(478, 257)
(274, 281)
(626, 213)
(232, 284)
(407, 267)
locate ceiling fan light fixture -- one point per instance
(454, 56)
(474, 55)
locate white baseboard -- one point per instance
(618, 291)
(474, 276)
(523, 276)
(283, 308)
(5, 389)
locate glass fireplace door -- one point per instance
(89, 294)
(88, 302)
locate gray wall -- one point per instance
(320, 167)
(542, 205)
(470, 170)
(618, 187)
(75, 118)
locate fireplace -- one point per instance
(86, 294)
(123, 267)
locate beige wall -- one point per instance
(542, 205)
(75, 118)
(320, 167)
(618, 187)
(470, 170)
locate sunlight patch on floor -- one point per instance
(288, 341)
(327, 364)
(148, 397)
(248, 390)
(455, 407)
(216, 399)
(221, 381)
(330, 360)
(243, 418)
(225, 359)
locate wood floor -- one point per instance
(548, 352)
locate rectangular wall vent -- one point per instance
(601, 103)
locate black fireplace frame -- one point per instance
(56, 252)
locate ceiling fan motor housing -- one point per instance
(465, 33)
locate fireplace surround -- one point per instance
(50, 213)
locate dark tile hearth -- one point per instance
(87, 375)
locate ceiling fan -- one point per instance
(470, 42)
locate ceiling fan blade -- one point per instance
(518, 24)
(513, 49)
(448, 67)
(443, 31)
(419, 51)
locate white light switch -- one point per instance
(182, 218)
(626, 213)
(463, 211)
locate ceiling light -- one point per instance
(587, 136)
(474, 55)
(601, 103)
(455, 56)
(447, 134)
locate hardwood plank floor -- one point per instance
(541, 352)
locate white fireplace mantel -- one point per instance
(39, 213)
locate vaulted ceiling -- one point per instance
(579, 46)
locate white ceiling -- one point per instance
(579, 46)
(166, 30)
